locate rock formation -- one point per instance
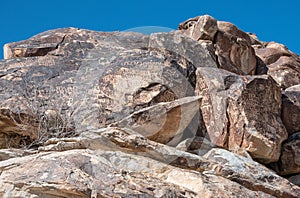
(204, 111)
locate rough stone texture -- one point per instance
(232, 46)
(31, 87)
(236, 168)
(79, 174)
(125, 87)
(291, 109)
(242, 112)
(99, 114)
(86, 173)
(200, 28)
(295, 179)
(284, 66)
(196, 145)
(234, 31)
(67, 88)
(235, 54)
(250, 173)
(6, 154)
(289, 162)
(165, 122)
(200, 54)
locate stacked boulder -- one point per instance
(197, 112)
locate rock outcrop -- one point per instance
(284, 66)
(242, 112)
(291, 109)
(289, 162)
(204, 111)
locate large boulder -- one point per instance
(232, 46)
(291, 109)
(122, 114)
(289, 162)
(242, 112)
(86, 173)
(235, 54)
(165, 122)
(283, 65)
(250, 173)
(200, 28)
(62, 91)
(200, 54)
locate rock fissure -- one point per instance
(204, 111)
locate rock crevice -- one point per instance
(204, 111)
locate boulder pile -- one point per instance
(204, 111)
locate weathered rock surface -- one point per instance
(232, 46)
(291, 109)
(289, 162)
(200, 28)
(197, 145)
(242, 112)
(235, 54)
(200, 54)
(33, 86)
(151, 159)
(165, 122)
(122, 114)
(251, 174)
(76, 83)
(295, 179)
(284, 66)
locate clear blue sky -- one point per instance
(271, 20)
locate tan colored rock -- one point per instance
(86, 173)
(272, 52)
(251, 174)
(86, 78)
(235, 54)
(285, 71)
(232, 46)
(16, 129)
(254, 40)
(6, 154)
(119, 174)
(200, 28)
(255, 122)
(200, 54)
(125, 87)
(197, 145)
(165, 122)
(236, 168)
(231, 29)
(73, 85)
(242, 112)
(284, 66)
(291, 109)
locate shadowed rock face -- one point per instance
(291, 109)
(289, 162)
(189, 113)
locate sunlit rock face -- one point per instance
(204, 111)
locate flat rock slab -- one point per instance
(165, 122)
(126, 159)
